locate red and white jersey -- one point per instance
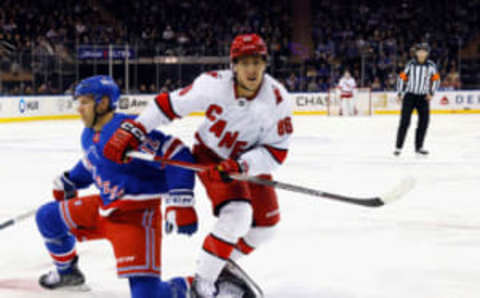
(253, 130)
(347, 86)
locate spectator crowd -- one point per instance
(372, 39)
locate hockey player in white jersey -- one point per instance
(347, 86)
(246, 130)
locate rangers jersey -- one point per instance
(255, 130)
(137, 184)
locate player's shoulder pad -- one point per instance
(214, 76)
(118, 118)
(275, 83)
(280, 93)
(207, 80)
(431, 63)
(123, 116)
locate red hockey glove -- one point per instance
(127, 137)
(64, 188)
(222, 171)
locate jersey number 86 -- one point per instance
(285, 126)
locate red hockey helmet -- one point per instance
(248, 44)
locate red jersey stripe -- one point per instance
(278, 154)
(171, 149)
(165, 105)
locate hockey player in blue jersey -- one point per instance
(127, 209)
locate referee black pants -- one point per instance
(411, 102)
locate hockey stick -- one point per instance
(17, 218)
(394, 194)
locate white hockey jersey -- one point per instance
(347, 86)
(253, 130)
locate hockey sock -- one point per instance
(60, 244)
(154, 287)
(241, 249)
(254, 238)
(234, 221)
(213, 256)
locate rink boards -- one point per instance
(50, 107)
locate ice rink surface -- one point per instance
(425, 246)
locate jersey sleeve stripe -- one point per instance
(167, 145)
(173, 149)
(165, 105)
(279, 155)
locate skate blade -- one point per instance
(236, 270)
(229, 291)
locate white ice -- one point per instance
(425, 246)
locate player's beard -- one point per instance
(101, 118)
(90, 122)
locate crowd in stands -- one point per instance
(202, 27)
(380, 35)
(373, 40)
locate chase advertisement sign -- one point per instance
(310, 101)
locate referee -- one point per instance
(416, 86)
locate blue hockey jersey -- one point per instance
(136, 184)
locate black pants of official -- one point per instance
(411, 102)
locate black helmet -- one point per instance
(422, 46)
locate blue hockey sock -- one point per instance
(60, 243)
(153, 287)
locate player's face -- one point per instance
(422, 55)
(86, 109)
(250, 70)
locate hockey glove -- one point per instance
(180, 215)
(64, 188)
(222, 171)
(127, 137)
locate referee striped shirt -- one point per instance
(418, 78)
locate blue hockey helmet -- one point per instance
(98, 87)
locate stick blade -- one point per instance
(406, 185)
(8, 223)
